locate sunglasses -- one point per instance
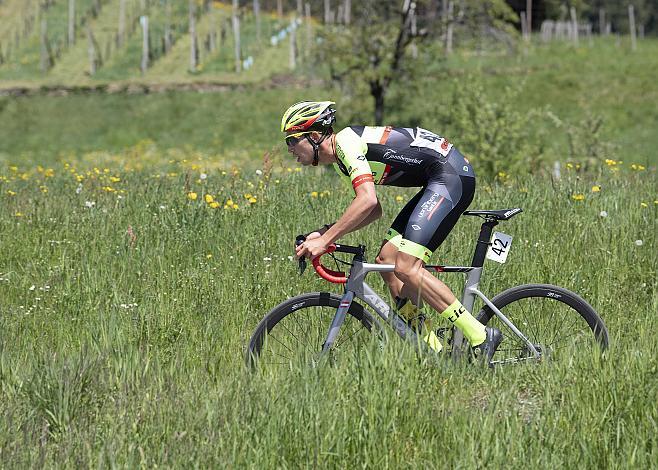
(293, 140)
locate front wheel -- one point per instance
(555, 320)
(292, 334)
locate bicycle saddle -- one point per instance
(503, 214)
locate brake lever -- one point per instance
(302, 261)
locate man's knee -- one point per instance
(387, 254)
(407, 267)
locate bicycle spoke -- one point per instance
(298, 336)
(549, 323)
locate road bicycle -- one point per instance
(538, 321)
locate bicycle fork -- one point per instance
(337, 322)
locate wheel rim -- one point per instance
(553, 327)
(297, 339)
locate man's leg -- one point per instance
(387, 255)
(418, 280)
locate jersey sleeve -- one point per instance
(351, 154)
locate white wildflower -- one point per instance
(639, 242)
(259, 172)
(78, 190)
(90, 204)
(32, 287)
(203, 176)
(267, 258)
(603, 214)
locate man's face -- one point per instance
(301, 148)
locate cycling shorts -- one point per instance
(427, 219)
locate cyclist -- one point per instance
(394, 156)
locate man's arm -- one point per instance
(364, 209)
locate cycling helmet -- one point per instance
(307, 116)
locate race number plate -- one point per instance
(499, 247)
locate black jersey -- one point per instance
(396, 156)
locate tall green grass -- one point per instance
(591, 104)
(127, 305)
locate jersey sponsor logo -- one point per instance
(429, 206)
(391, 154)
(415, 227)
(432, 141)
(361, 157)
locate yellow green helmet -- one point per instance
(307, 116)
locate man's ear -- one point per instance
(315, 135)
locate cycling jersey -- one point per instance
(396, 156)
(408, 157)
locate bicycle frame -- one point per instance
(357, 287)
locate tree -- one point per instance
(373, 50)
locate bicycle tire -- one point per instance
(542, 299)
(316, 302)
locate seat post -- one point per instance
(483, 242)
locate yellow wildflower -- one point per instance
(209, 199)
(44, 189)
(11, 193)
(209, 255)
(248, 196)
(214, 204)
(192, 196)
(114, 179)
(297, 169)
(610, 162)
(399, 198)
(14, 168)
(314, 194)
(49, 173)
(252, 200)
(230, 202)
(644, 204)
(18, 214)
(569, 166)
(596, 188)
(578, 197)
(235, 206)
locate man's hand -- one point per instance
(313, 247)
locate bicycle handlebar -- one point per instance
(337, 277)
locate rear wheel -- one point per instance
(293, 333)
(556, 321)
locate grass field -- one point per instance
(128, 301)
(144, 236)
(575, 85)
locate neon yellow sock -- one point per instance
(431, 339)
(410, 312)
(462, 319)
